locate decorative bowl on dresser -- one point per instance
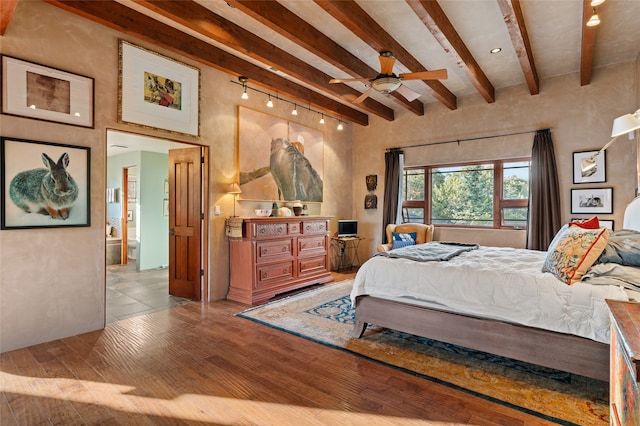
(276, 255)
(625, 363)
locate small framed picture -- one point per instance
(606, 223)
(370, 201)
(592, 201)
(129, 215)
(589, 167)
(372, 182)
(36, 91)
(44, 185)
(157, 92)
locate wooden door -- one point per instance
(185, 224)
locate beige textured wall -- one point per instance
(580, 119)
(52, 281)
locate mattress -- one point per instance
(499, 283)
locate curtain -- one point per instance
(544, 195)
(392, 189)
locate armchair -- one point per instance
(424, 233)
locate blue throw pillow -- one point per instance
(403, 239)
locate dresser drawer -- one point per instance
(267, 229)
(312, 265)
(274, 273)
(315, 227)
(274, 250)
(312, 245)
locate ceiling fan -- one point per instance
(387, 82)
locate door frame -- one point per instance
(204, 205)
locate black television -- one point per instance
(347, 228)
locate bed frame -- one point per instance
(551, 349)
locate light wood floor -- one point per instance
(198, 364)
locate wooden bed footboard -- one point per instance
(551, 349)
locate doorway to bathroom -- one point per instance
(138, 223)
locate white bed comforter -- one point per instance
(493, 282)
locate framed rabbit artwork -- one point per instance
(43, 184)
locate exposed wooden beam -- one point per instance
(352, 16)
(7, 7)
(284, 22)
(128, 21)
(203, 21)
(434, 18)
(588, 44)
(513, 17)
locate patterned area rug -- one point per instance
(324, 315)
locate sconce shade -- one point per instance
(626, 124)
(234, 188)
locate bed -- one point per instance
(499, 301)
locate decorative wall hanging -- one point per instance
(44, 184)
(372, 182)
(592, 200)
(370, 201)
(279, 159)
(594, 174)
(36, 91)
(157, 92)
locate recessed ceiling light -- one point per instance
(496, 50)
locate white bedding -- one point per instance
(494, 282)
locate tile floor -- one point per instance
(131, 293)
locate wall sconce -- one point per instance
(234, 189)
(622, 125)
(112, 195)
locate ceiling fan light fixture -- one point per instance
(594, 20)
(386, 84)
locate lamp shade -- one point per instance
(234, 188)
(625, 124)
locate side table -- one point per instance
(345, 252)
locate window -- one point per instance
(482, 194)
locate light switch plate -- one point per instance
(217, 210)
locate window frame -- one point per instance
(499, 203)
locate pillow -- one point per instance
(623, 248)
(592, 223)
(573, 251)
(403, 240)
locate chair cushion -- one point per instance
(403, 239)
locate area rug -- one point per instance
(325, 315)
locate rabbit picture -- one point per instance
(50, 191)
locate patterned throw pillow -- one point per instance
(593, 223)
(403, 240)
(573, 251)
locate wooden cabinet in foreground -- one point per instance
(276, 255)
(625, 363)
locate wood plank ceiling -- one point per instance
(294, 48)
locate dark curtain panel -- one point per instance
(391, 188)
(544, 195)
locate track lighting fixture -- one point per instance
(242, 81)
(594, 20)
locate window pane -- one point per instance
(414, 185)
(413, 215)
(516, 181)
(462, 195)
(515, 216)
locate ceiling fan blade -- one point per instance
(426, 75)
(364, 96)
(386, 64)
(347, 80)
(409, 94)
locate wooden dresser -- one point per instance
(625, 363)
(276, 255)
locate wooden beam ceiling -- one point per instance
(513, 17)
(7, 7)
(121, 18)
(367, 29)
(286, 23)
(587, 45)
(198, 18)
(434, 18)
